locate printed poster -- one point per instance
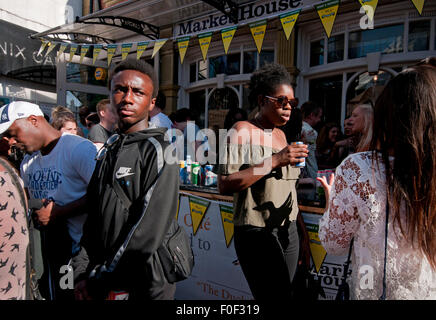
(227, 35)
(140, 48)
(288, 21)
(204, 40)
(258, 31)
(157, 45)
(327, 13)
(183, 44)
(373, 4)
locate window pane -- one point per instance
(317, 53)
(229, 64)
(250, 61)
(335, 49)
(80, 73)
(77, 99)
(216, 66)
(266, 56)
(233, 64)
(202, 70)
(419, 36)
(192, 72)
(386, 40)
(197, 101)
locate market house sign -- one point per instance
(249, 12)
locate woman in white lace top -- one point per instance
(401, 167)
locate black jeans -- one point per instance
(268, 258)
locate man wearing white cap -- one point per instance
(57, 170)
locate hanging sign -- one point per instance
(62, 48)
(111, 49)
(73, 50)
(125, 49)
(227, 36)
(327, 13)
(96, 52)
(288, 21)
(373, 4)
(198, 208)
(183, 44)
(157, 45)
(316, 249)
(51, 46)
(43, 45)
(258, 31)
(227, 220)
(83, 51)
(204, 40)
(140, 48)
(419, 5)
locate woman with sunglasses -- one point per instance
(258, 168)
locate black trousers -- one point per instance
(268, 258)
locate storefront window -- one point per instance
(335, 48)
(385, 40)
(220, 101)
(366, 87)
(228, 64)
(419, 36)
(266, 56)
(76, 99)
(197, 101)
(250, 61)
(317, 53)
(201, 74)
(80, 73)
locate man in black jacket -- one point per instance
(132, 198)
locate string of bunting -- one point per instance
(326, 10)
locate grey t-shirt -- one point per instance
(98, 134)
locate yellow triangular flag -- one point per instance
(83, 51)
(327, 13)
(62, 48)
(178, 208)
(198, 208)
(96, 52)
(183, 44)
(227, 220)
(43, 45)
(73, 50)
(227, 36)
(288, 21)
(125, 49)
(419, 5)
(157, 45)
(317, 251)
(51, 46)
(140, 48)
(111, 49)
(258, 31)
(373, 4)
(204, 40)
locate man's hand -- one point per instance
(45, 214)
(291, 154)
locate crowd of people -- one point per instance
(96, 198)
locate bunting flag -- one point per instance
(204, 39)
(111, 49)
(419, 5)
(157, 45)
(327, 12)
(316, 249)
(83, 51)
(43, 45)
(96, 52)
(183, 44)
(140, 48)
(73, 49)
(227, 35)
(178, 207)
(373, 4)
(227, 220)
(198, 208)
(258, 31)
(62, 48)
(125, 49)
(288, 21)
(51, 46)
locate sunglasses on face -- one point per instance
(283, 101)
(102, 152)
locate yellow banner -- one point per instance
(62, 48)
(373, 4)
(183, 44)
(140, 48)
(288, 21)
(73, 50)
(204, 40)
(227, 220)
(51, 46)
(227, 35)
(258, 31)
(327, 12)
(96, 52)
(83, 51)
(125, 49)
(419, 5)
(157, 45)
(111, 49)
(316, 249)
(198, 208)
(43, 45)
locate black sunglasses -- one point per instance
(283, 101)
(102, 152)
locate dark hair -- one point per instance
(323, 142)
(310, 107)
(266, 80)
(83, 113)
(60, 115)
(161, 100)
(138, 65)
(93, 117)
(183, 115)
(230, 119)
(405, 122)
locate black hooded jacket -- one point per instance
(132, 195)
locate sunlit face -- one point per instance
(357, 120)
(24, 134)
(69, 127)
(333, 134)
(273, 111)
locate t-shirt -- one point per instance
(62, 175)
(99, 134)
(161, 120)
(309, 136)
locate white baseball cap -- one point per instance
(17, 110)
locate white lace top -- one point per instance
(357, 208)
